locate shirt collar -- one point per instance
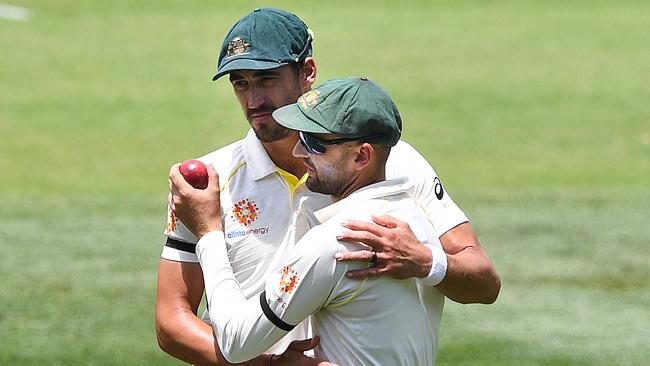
(257, 159)
(377, 190)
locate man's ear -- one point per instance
(309, 72)
(364, 156)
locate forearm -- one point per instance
(190, 339)
(470, 277)
(243, 332)
(193, 341)
(179, 331)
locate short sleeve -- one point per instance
(181, 243)
(428, 190)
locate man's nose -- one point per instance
(299, 151)
(255, 98)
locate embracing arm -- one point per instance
(470, 277)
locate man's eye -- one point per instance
(238, 83)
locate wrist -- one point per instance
(212, 237)
(426, 262)
(208, 229)
(438, 266)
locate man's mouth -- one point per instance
(310, 168)
(260, 116)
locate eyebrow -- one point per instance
(257, 73)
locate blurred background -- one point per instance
(534, 114)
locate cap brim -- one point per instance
(246, 64)
(291, 116)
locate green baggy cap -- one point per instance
(264, 39)
(349, 107)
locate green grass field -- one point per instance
(535, 115)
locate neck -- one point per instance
(360, 182)
(281, 153)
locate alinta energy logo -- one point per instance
(246, 212)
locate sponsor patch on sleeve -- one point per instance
(288, 280)
(172, 221)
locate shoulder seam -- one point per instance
(231, 175)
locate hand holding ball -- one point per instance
(195, 173)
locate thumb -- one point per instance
(305, 344)
(213, 177)
(386, 221)
(176, 178)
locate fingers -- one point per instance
(357, 256)
(377, 261)
(175, 168)
(176, 184)
(387, 221)
(358, 274)
(371, 257)
(364, 237)
(169, 178)
(358, 225)
(213, 177)
(176, 178)
(304, 344)
(170, 199)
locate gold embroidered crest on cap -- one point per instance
(237, 46)
(309, 99)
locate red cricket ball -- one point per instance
(195, 173)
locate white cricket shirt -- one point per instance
(259, 210)
(380, 321)
(258, 203)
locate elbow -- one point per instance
(169, 334)
(493, 287)
(486, 287)
(494, 292)
(164, 336)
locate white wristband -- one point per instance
(438, 266)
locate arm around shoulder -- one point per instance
(471, 277)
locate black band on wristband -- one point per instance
(270, 315)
